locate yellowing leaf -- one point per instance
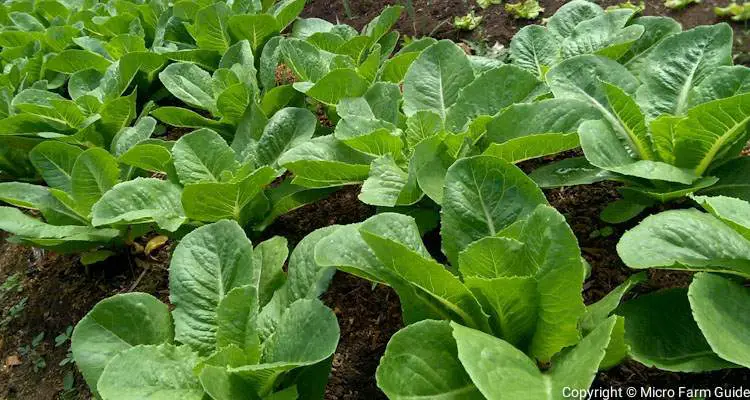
(155, 243)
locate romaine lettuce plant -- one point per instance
(513, 288)
(705, 326)
(86, 204)
(240, 327)
(669, 109)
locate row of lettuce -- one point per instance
(478, 328)
(267, 122)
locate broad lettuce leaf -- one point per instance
(140, 201)
(661, 332)
(720, 307)
(677, 64)
(482, 196)
(164, 371)
(499, 370)
(434, 80)
(114, 325)
(669, 240)
(94, 173)
(325, 162)
(210, 262)
(409, 367)
(202, 156)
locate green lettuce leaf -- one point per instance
(719, 307)
(141, 201)
(661, 332)
(677, 64)
(434, 80)
(207, 264)
(114, 325)
(483, 195)
(421, 360)
(147, 371)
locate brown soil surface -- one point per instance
(340, 208)
(60, 291)
(368, 317)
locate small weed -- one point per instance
(64, 337)
(60, 340)
(29, 352)
(69, 391)
(12, 284)
(409, 5)
(14, 312)
(607, 231)
(348, 9)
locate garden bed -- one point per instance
(60, 291)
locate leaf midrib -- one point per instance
(487, 216)
(682, 99)
(59, 168)
(718, 144)
(443, 108)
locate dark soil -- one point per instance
(368, 317)
(60, 290)
(340, 208)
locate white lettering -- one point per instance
(657, 393)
